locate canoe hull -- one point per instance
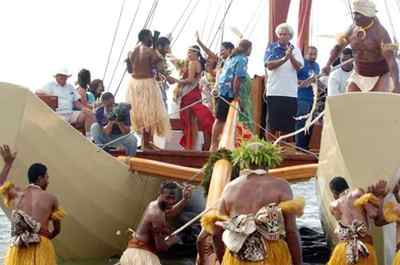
(98, 192)
(361, 156)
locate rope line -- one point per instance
(222, 21)
(114, 38)
(185, 23)
(125, 42)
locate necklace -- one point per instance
(361, 32)
(34, 186)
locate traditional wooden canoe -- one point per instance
(360, 141)
(101, 194)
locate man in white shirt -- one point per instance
(69, 106)
(337, 81)
(282, 61)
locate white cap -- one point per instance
(62, 71)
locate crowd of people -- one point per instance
(249, 225)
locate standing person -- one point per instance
(70, 108)
(149, 238)
(148, 113)
(33, 210)
(163, 47)
(373, 50)
(87, 98)
(282, 61)
(353, 210)
(338, 79)
(113, 122)
(188, 92)
(207, 84)
(305, 94)
(261, 226)
(230, 81)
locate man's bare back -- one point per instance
(344, 210)
(143, 60)
(247, 195)
(37, 203)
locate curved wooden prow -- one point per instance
(223, 168)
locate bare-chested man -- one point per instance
(261, 229)
(149, 238)
(33, 208)
(353, 210)
(373, 50)
(148, 112)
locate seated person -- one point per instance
(112, 122)
(69, 106)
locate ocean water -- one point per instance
(310, 219)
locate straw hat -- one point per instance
(63, 71)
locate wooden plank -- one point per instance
(257, 97)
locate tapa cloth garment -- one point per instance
(248, 237)
(147, 107)
(137, 256)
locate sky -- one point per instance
(38, 37)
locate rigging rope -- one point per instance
(185, 23)
(254, 14)
(213, 24)
(124, 44)
(151, 13)
(257, 20)
(114, 38)
(222, 21)
(390, 21)
(181, 17)
(206, 18)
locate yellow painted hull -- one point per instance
(361, 142)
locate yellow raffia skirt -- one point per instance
(277, 254)
(37, 254)
(136, 256)
(148, 109)
(338, 256)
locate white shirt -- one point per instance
(282, 81)
(67, 95)
(337, 82)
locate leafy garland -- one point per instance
(209, 166)
(257, 152)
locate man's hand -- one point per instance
(187, 192)
(289, 52)
(7, 155)
(326, 70)
(379, 189)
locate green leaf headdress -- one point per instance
(257, 153)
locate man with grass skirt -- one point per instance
(252, 225)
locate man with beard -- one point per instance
(33, 209)
(373, 51)
(149, 239)
(305, 94)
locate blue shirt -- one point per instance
(101, 118)
(309, 69)
(274, 52)
(235, 66)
